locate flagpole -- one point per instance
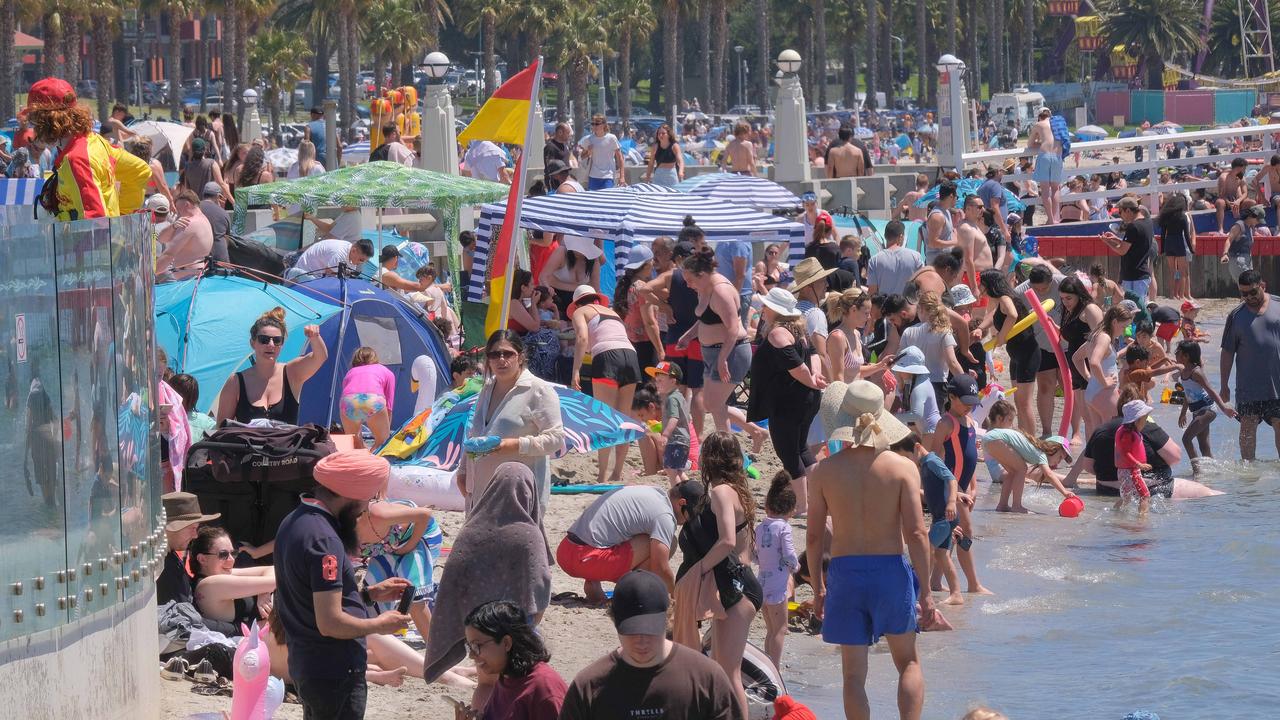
(519, 204)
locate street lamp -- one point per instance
(902, 67)
(738, 49)
(252, 121)
(789, 61)
(949, 62)
(435, 65)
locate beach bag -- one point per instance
(254, 476)
(254, 255)
(1058, 126)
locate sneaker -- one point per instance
(204, 673)
(175, 669)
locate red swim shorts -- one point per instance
(591, 563)
(1166, 331)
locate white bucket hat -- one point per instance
(639, 255)
(961, 295)
(910, 360)
(781, 302)
(1135, 409)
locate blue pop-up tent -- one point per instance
(203, 325)
(369, 316)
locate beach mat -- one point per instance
(583, 489)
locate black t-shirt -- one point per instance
(173, 583)
(1101, 448)
(685, 685)
(776, 390)
(553, 150)
(310, 558)
(1136, 263)
(828, 254)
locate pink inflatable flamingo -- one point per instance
(251, 669)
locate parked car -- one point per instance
(87, 88)
(213, 102)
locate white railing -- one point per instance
(1149, 143)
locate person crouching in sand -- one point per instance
(873, 500)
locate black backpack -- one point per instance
(382, 152)
(254, 476)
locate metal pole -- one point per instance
(604, 106)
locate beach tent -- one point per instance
(624, 217)
(203, 325)
(163, 135)
(383, 320)
(967, 187)
(756, 192)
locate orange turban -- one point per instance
(353, 474)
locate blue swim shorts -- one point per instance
(869, 596)
(1048, 168)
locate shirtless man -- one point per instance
(1267, 185)
(907, 209)
(740, 153)
(940, 274)
(873, 500)
(1048, 172)
(973, 238)
(940, 232)
(845, 159)
(1231, 190)
(114, 128)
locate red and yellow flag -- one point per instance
(506, 118)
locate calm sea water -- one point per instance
(1104, 614)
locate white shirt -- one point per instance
(296, 172)
(485, 160)
(347, 226)
(398, 152)
(604, 159)
(323, 255)
(424, 373)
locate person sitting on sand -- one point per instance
(1020, 457)
(873, 589)
(225, 592)
(628, 528)
(505, 644)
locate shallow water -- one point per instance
(1105, 614)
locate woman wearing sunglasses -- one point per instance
(222, 590)
(270, 389)
(516, 418)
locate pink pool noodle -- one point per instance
(1064, 370)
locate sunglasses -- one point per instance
(222, 554)
(271, 340)
(501, 354)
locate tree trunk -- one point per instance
(101, 38)
(670, 66)
(657, 72)
(490, 59)
(562, 96)
(1028, 28)
(806, 51)
(624, 79)
(8, 71)
(681, 93)
(579, 82)
(763, 55)
(873, 53)
(227, 59)
(932, 51)
(344, 72)
(704, 59)
(319, 68)
(820, 51)
(51, 58)
(997, 50)
(849, 75)
(953, 18)
(71, 37)
(242, 55)
(886, 48)
(173, 64)
(352, 91)
(717, 92)
(969, 47)
(1155, 71)
(923, 61)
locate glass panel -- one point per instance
(32, 525)
(89, 448)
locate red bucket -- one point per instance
(1071, 507)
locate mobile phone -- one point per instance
(406, 599)
(165, 408)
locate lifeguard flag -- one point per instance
(506, 117)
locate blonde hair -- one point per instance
(934, 312)
(838, 304)
(364, 355)
(984, 713)
(306, 157)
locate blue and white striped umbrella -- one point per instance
(756, 192)
(20, 191)
(624, 216)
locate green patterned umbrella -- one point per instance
(375, 185)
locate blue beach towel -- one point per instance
(1058, 125)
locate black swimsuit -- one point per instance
(246, 610)
(284, 410)
(734, 580)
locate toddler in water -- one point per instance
(1019, 457)
(675, 420)
(1199, 398)
(1131, 455)
(776, 556)
(942, 496)
(1187, 325)
(368, 391)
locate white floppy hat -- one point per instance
(854, 413)
(910, 360)
(1133, 410)
(583, 245)
(961, 295)
(781, 302)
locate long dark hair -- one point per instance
(1072, 286)
(1174, 209)
(519, 279)
(621, 299)
(996, 284)
(201, 544)
(254, 161)
(502, 618)
(722, 465)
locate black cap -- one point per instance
(317, 110)
(682, 249)
(555, 167)
(965, 388)
(640, 603)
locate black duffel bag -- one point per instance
(254, 475)
(249, 253)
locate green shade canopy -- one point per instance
(376, 185)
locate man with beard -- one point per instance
(325, 616)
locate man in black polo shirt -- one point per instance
(1134, 249)
(325, 615)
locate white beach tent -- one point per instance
(163, 135)
(627, 216)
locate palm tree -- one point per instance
(103, 16)
(1028, 32)
(51, 58)
(1156, 29)
(923, 61)
(396, 34)
(953, 20)
(630, 19)
(8, 75)
(820, 50)
(873, 54)
(484, 16)
(670, 53)
(580, 37)
(716, 92)
(278, 58)
(72, 35)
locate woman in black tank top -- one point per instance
(666, 162)
(248, 394)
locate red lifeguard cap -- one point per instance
(51, 94)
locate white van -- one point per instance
(1020, 106)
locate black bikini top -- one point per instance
(710, 317)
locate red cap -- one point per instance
(1190, 305)
(51, 94)
(824, 215)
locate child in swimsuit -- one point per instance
(1187, 325)
(1018, 457)
(955, 440)
(1131, 456)
(1199, 398)
(776, 556)
(942, 498)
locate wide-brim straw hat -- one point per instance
(806, 272)
(854, 413)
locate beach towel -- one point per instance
(179, 430)
(1058, 126)
(501, 553)
(696, 600)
